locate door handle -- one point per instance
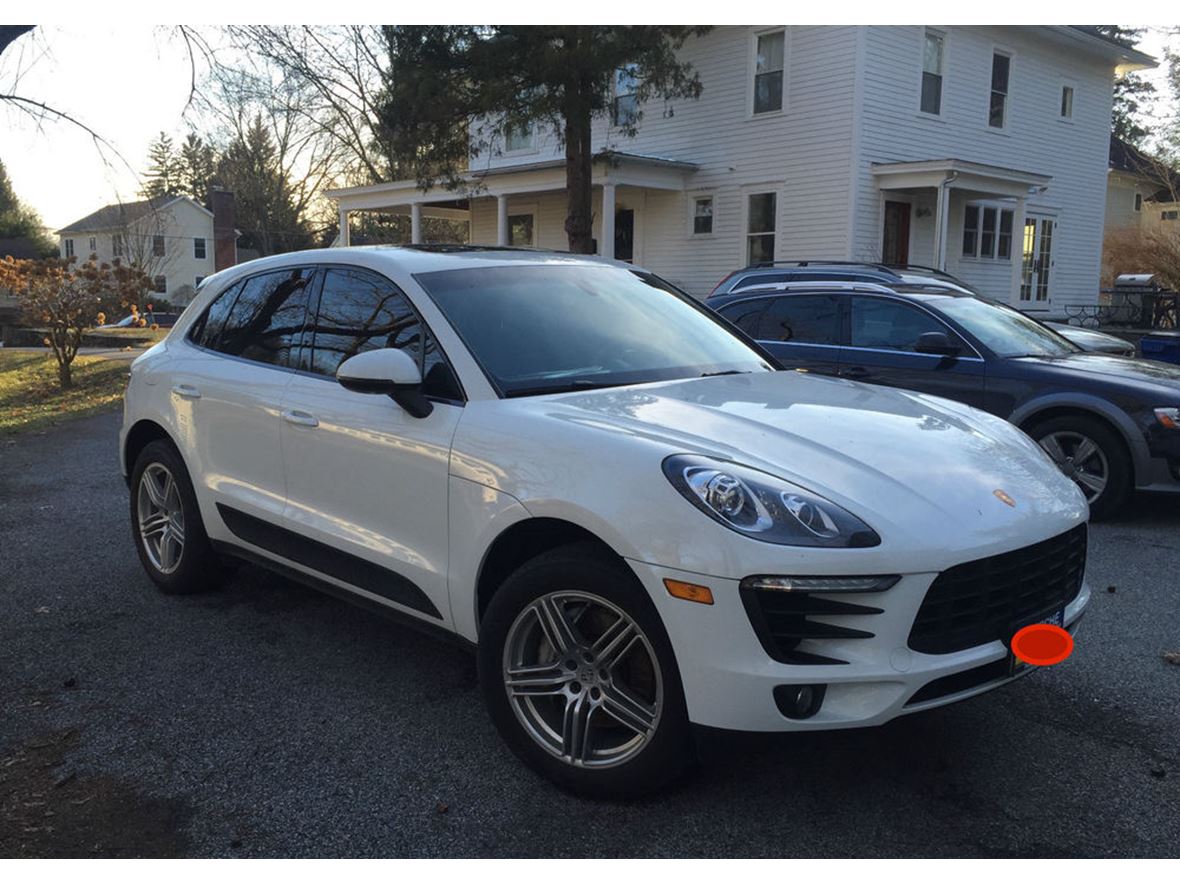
(187, 391)
(302, 419)
(853, 372)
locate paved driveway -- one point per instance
(269, 720)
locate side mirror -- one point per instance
(937, 343)
(389, 371)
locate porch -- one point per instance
(989, 225)
(525, 205)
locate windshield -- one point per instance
(555, 327)
(1004, 331)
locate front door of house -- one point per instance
(625, 234)
(895, 241)
(1036, 265)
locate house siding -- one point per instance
(1035, 140)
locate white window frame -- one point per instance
(204, 248)
(1007, 53)
(528, 209)
(67, 247)
(1073, 99)
(117, 245)
(692, 209)
(616, 95)
(158, 287)
(93, 245)
(529, 148)
(163, 246)
(978, 254)
(752, 72)
(752, 191)
(941, 74)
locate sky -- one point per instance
(128, 82)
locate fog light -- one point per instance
(799, 701)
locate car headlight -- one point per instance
(765, 507)
(1169, 417)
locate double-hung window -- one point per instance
(761, 215)
(702, 215)
(198, 247)
(117, 245)
(997, 114)
(932, 52)
(69, 248)
(93, 245)
(1066, 102)
(987, 231)
(625, 107)
(158, 246)
(769, 62)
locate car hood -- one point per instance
(1134, 372)
(1091, 340)
(894, 458)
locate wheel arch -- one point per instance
(525, 540)
(141, 433)
(1099, 410)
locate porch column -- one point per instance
(1017, 251)
(941, 225)
(502, 220)
(415, 223)
(606, 242)
(343, 226)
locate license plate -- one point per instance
(1015, 665)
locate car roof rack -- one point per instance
(815, 286)
(465, 247)
(811, 262)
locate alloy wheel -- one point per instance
(1081, 459)
(161, 517)
(583, 679)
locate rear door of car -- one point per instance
(802, 331)
(882, 340)
(227, 386)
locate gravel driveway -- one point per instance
(270, 720)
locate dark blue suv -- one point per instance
(1111, 423)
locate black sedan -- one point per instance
(1111, 423)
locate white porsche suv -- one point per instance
(607, 489)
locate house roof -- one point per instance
(1130, 160)
(1126, 58)
(117, 215)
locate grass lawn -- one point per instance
(30, 398)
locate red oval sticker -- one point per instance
(1042, 645)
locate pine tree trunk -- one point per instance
(579, 193)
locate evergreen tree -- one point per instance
(18, 221)
(163, 173)
(444, 82)
(197, 167)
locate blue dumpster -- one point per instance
(1162, 346)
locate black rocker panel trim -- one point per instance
(328, 560)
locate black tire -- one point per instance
(581, 568)
(1120, 479)
(199, 568)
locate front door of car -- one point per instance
(227, 388)
(882, 349)
(802, 331)
(366, 481)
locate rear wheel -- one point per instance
(166, 523)
(1093, 456)
(579, 677)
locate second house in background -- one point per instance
(980, 150)
(177, 241)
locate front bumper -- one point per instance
(729, 679)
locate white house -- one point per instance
(980, 150)
(172, 238)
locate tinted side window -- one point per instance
(267, 318)
(360, 311)
(207, 329)
(745, 314)
(801, 319)
(889, 325)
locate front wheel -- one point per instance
(579, 677)
(1093, 456)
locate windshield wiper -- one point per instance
(726, 372)
(566, 387)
